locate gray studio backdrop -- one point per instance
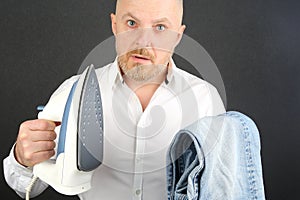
(255, 45)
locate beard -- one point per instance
(137, 71)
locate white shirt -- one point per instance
(136, 141)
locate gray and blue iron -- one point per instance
(80, 143)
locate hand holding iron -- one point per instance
(35, 142)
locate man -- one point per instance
(146, 101)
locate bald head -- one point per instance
(175, 5)
(179, 2)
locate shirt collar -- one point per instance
(171, 69)
(115, 75)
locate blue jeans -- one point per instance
(216, 158)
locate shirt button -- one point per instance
(138, 192)
(138, 160)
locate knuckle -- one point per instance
(24, 125)
(22, 136)
(23, 133)
(22, 144)
(25, 146)
(28, 156)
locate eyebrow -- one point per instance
(164, 19)
(131, 16)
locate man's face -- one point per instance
(147, 32)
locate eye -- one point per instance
(160, 27)
(131, 23)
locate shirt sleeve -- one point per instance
(55, 107)
(215, 105)
(19, 177)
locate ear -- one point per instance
(182, 28)
(113, 23)
(180, 33)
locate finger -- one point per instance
(43, 136)
(41, 156)
(40, 124)
(40, 146)
(45, 145)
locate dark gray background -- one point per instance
(255, 45)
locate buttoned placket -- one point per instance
(140, 143)
(139, 151)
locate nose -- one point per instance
(144, 37)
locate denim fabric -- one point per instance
(216, 158)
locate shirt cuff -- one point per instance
(16, 165)
(18, 177)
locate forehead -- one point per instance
(149, 9)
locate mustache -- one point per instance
(143, 52)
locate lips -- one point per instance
(138, 56)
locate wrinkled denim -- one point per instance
(216, 158)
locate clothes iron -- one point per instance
(80, 142)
